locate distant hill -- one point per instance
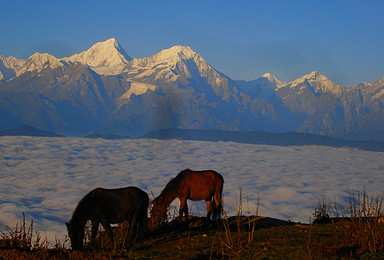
(280, 139)
(26, 130)
(107, 136)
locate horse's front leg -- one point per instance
(183, 208)
(108, 229)
(95, 228)
(132, 228)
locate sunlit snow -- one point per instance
(46, 177)
(137, 89)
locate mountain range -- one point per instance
(103, 90)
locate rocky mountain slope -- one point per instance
(104, 90)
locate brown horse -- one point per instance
(109, 206)
(194, 185)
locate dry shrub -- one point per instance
(23, 237)
(362, 222)
(238, 238)
(322, 212)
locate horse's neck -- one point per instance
(80, 215)
(169, 197)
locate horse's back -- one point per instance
(201, 184)
(131, 195)
(118, 203)
(130, 191)
(210, 176)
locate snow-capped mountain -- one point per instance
(271, 78)
(38, 62)
(167, 64)
(261, 88)
(104, 90)
(176, 88)
(374, 90)
(182, 65)
(102, 54)
(9, 67)
(106, 58)
(318, 82)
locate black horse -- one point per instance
(109, 206)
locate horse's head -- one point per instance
(159, 210)
(76, 234)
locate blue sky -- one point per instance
(344, 40)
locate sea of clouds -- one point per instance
(46, 177)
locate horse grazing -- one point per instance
(194, 185)
(109, 206)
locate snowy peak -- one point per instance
(11, 62)
(378, 89)
(318, 82)
(374, 89)
(168, 57)
(39, 61)
(178, 64)
(9, 66)
(102, 54)
(177, 52)
(379, 82)
(168, 64)
(106, 58)
(313, 76)
(273, 80)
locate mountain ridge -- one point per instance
(26, 130)
(104, 89)
(212, 135)
(99, 48)
(263, 138)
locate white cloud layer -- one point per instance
(46, 177)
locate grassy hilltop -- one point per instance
(337, 232)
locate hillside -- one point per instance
(245, 237)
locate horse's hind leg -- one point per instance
(210, 207)
(142, 219)
(140, 228)
(133, 232)
(218, 207)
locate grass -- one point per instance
(350, 231)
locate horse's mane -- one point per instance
(170, 187)
(84, 204)
(173, 184)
